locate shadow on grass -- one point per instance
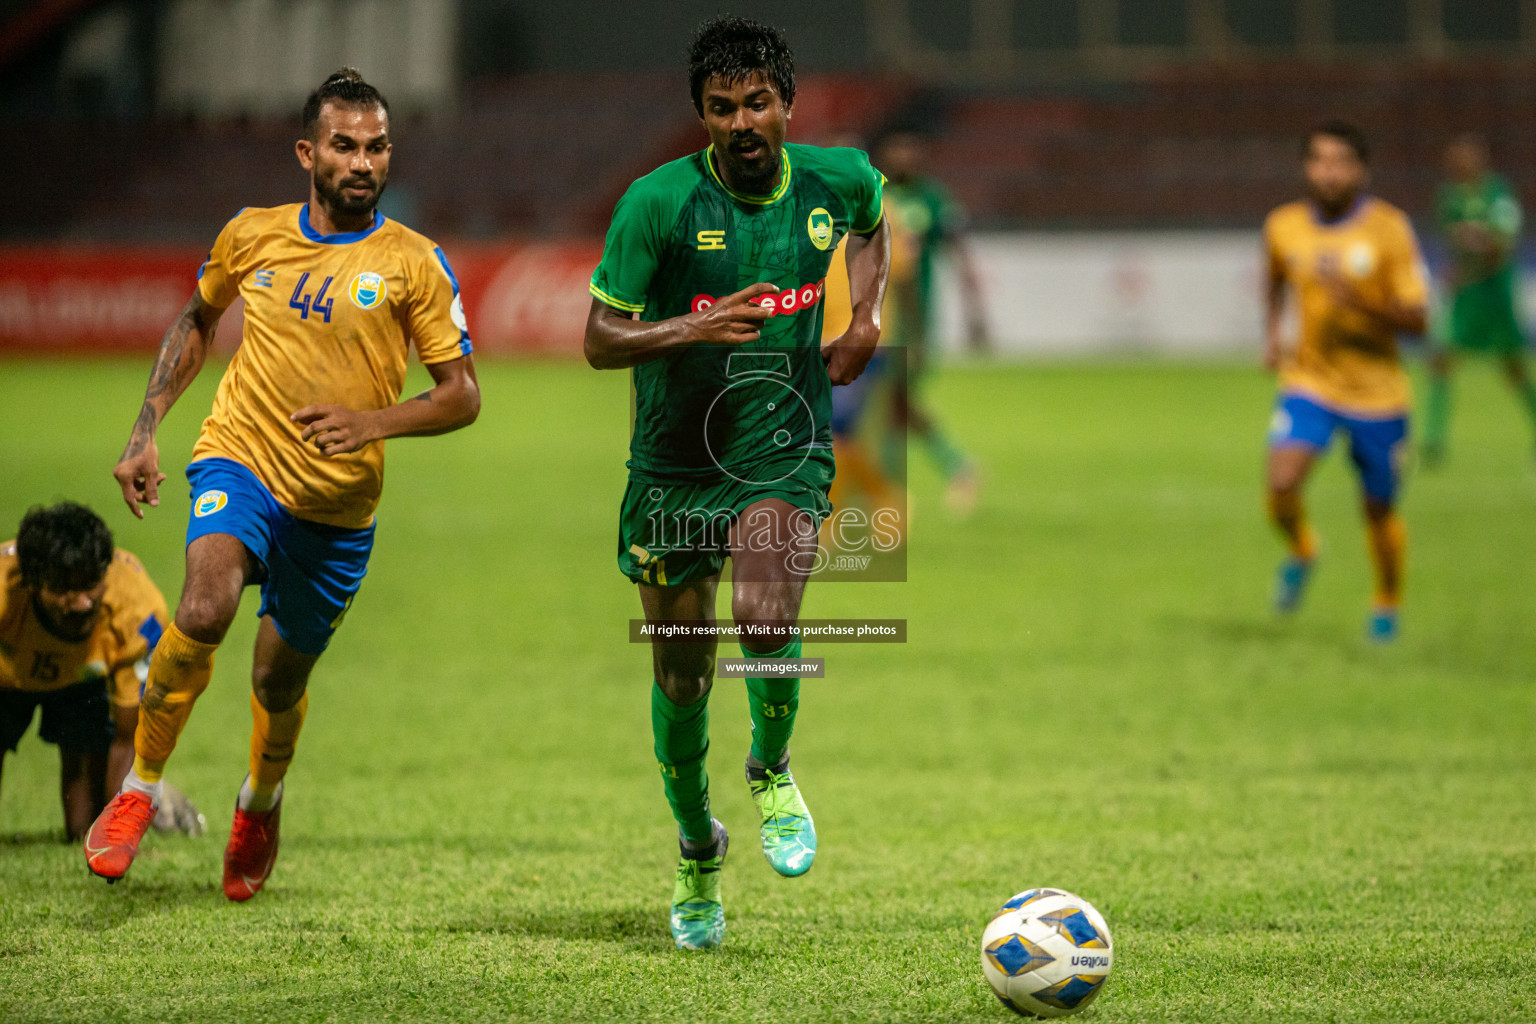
(641, 928)
(1263, 628)
(1268, 628)
(474, 845)
(104, 907)
(52, 837)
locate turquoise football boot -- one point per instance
(788, 833)
(698, 916)
(1291, 583)
(1382, 627)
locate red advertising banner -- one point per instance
(520, 298)
(91, 300)
(528, 298)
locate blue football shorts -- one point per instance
(312, 570)
(1376, 445)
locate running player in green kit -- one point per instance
(928, 225)
(1481, 219)
(710, 290)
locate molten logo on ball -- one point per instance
(1046, 953)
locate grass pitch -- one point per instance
(1280, 822)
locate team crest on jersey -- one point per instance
(209, 502)
(368, 290)
(1360, 259)
(819, 227)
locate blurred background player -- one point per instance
(1353, 264)
(289, 466)
(78, 621)
(863, 429)
(1481, 217)
(722, 254)
(932, 226)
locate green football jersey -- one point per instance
(1488, 203)
(925, 209)
(681, 240)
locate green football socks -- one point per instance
(1437, 412)
(682, 743)
(773, 702)
(945, 455)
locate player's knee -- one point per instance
(770, 643)
(205, 616)
(73, 765)
(684, 685)
(275, 690)
(1377, 510)
(766, 605)
(1284, 486)
(1284, 502)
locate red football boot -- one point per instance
(113, 840)
(251, 853)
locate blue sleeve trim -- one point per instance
(151, 631)
(442, 258)
(465, 347)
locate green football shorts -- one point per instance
(678, 531)
(1483, 318)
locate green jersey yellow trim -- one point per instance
(628, 307)
(768, 200)
(879, 216)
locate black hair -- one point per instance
(732, 49)
(65, 547)
(345, 86)
(1345, 132)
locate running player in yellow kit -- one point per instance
(1354, 266)
(288, 469)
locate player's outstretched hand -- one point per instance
(333, 429)
(138, 474)
(734, 320)
(847, 354)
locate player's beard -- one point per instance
(1336, 204)
(755, 177)
(73, 626)
(338, 202)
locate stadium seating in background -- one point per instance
(547, 155)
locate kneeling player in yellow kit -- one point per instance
(1355, 268)
(288, 469)
(78, 620)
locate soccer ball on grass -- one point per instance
(1046, 953)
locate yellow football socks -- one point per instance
(274, 736)
(179, 671)
(1389, 547)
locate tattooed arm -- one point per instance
(182, 352)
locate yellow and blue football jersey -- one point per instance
(129, 624)
(328, 319)
(1343, 357)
